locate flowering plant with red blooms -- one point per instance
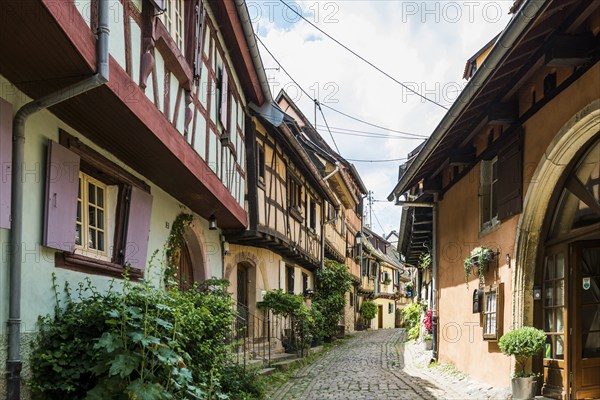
(427, 321)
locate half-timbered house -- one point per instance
(340, 228)
(115, 117)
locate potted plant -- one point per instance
(428, 324)
(425, 261)
(409, 289)
(523, 343)
(479, 258)
(368, 311)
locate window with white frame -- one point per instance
(488, 194)
(492, 312)
(91, 230)
(173, 18)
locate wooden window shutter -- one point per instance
(5, 162)
(198, 37)
(224, 99)
(159, 4)
(62, 186)
(510, 178)
(138, 228)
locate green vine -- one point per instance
(479, 258)
(174, 243)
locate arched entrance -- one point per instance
(558, 251)
(192, 267)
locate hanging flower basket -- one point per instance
(478, 261)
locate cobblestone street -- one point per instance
(371, 366)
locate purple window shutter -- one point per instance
(224, 99)
(138, 228)
(5, 162)
(62, 185)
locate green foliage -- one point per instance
(281, 303)
(244, 383)
(523, 343)
(333, 281)
(412, 319)
(368, 310)
(425, 261)
(478, 258)
(137, 343)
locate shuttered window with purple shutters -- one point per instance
(97, 214)
(5, 162)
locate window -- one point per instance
(390, 308)
(173, 20)
(260, 160)
(351, 298)
(97, 215)
(91, 223)
(492, 315)
(304, 283)
(289, 279)
(313, 214)
(294, 193)
(488, 194)
(554, 306)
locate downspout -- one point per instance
(14, 363)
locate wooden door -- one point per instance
(585, 357)
(555, 305)
(380, 318)
(186, 269)
(242, 299)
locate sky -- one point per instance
(422, 44)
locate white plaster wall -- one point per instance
(116, 40)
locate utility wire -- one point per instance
(338, 128)
(379, 223)
(327, 125)
(367, 135)
(325, 105)
(361, 57)
(373, 125)
(377, 161)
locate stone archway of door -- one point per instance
(574, 135)
(196, 243)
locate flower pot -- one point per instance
(523, 388)
(428, 344)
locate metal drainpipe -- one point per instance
(14, 363)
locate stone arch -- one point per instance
(196, 242)
(572, 137)
(250, 258)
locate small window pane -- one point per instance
(100, 219)
(591, 345)
(92, 216)
(549, 294)
(560, 293)
(560, 324)
(591, 318)
(92, 239)
(100, 197)
(559, 346)
(78, 235)
(101, 241)
(91, 193)
(560, 266)
(549, 268)
(549, 321)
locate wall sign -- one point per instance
(586, 283)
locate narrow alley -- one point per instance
(377, 365)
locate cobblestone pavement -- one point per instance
(367, 367)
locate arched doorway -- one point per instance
(570, 283)
(185, 272)
(245, 296)
(555, 251)
(193, 263)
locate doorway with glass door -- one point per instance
(570, 280)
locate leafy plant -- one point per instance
(478, 258)
(173, 246)
(425, 261)
(523, 343)
(368, 310)
(281, 303)
(412, 317)
(136, 343)
(333, 281)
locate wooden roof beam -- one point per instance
(571, 50)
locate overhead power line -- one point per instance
(362, 58)
(328, 107)
(401, 134)
(318, 105)
(377, 161)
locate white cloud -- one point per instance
(424, 44)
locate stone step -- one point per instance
(266, 371)
(285, 364)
